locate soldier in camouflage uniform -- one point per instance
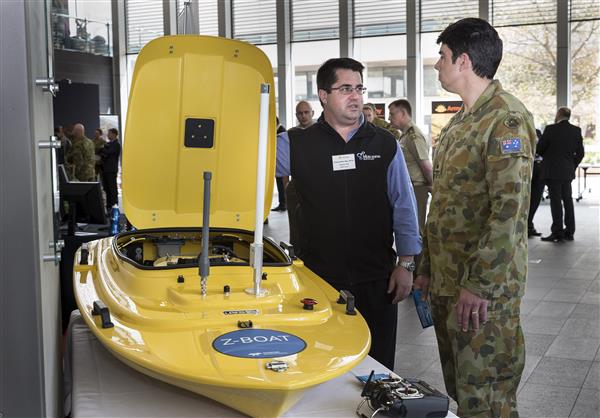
(416, 154)
(475, 248)
(371, 116)
(99, 143)
(80, 158)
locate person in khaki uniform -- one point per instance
(371, 116)
(99, 143)
(416, 154)
(80, 158)
(474, 259)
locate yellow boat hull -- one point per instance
(168, 330)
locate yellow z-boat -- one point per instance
(222, 312)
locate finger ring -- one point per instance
(474, 313)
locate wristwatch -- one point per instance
(408, 265)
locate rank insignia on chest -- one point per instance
(509, 146)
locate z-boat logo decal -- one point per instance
(258, 343)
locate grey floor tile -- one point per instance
(528, 305)
(573, 284)
(564, 295)
(584, 274)
(427, 337)
(536, 293)
(587, 404)
(592, 381)
(583, 310)
(542, 325)
(595, 286)
(581, 328)
(531, 362)
(574, 348)
(538, 344)
(413, 360)
(553, 309)
(546, 401)
(592, 298)
(562, 372)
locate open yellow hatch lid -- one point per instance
(194, 106)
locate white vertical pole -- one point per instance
(256, 249)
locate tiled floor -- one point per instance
(560, 317)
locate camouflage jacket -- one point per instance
(415, 148)
(387, 126)
(80, 160)
(476, 232)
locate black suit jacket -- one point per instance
(561, 146)
(110, 156)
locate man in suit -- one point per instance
(561, 147)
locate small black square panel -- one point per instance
(199, 133)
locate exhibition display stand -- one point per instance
(97, 384)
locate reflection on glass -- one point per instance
(585, 80)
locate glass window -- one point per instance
(307, 57)
(208, 17)
(144, 22)
(437, 14)
(585, 81)
(375, 18)
(528, 68)
(384, 58)
(255, 21)
(315, 19)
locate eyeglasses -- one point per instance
(347, 90)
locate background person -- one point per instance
(561, 148)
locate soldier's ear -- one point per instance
(464, 62)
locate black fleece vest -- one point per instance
(344, 217)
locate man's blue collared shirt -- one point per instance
(400, 194)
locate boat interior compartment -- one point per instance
(181, 248)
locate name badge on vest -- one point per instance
(343, 162)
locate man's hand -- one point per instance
(471, 307)
(422, 283)
(400, 283)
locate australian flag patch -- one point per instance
(510, 146)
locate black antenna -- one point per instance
(364, 391)
(203, 261)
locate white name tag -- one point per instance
(343, 162)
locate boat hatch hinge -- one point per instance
(101, 309)
(289, 248)
(347, 298)
(245, 324)
(277, 366)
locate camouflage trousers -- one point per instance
(482, 369)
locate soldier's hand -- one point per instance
(400, 284)
(470, 307)
(422, 283)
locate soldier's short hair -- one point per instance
(114, 131)
(403, 104)
(479, 40)
(564, 112)
(326, 75)
(99, 130)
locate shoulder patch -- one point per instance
(511, 145)
(512, 121)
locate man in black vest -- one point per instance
(561, 148)
(355, 199)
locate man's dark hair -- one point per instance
(99, 130)
(479, 40)
(114, 131)
(403, 104)
(326, 76)
(564, 112)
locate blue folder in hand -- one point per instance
(423, 309)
